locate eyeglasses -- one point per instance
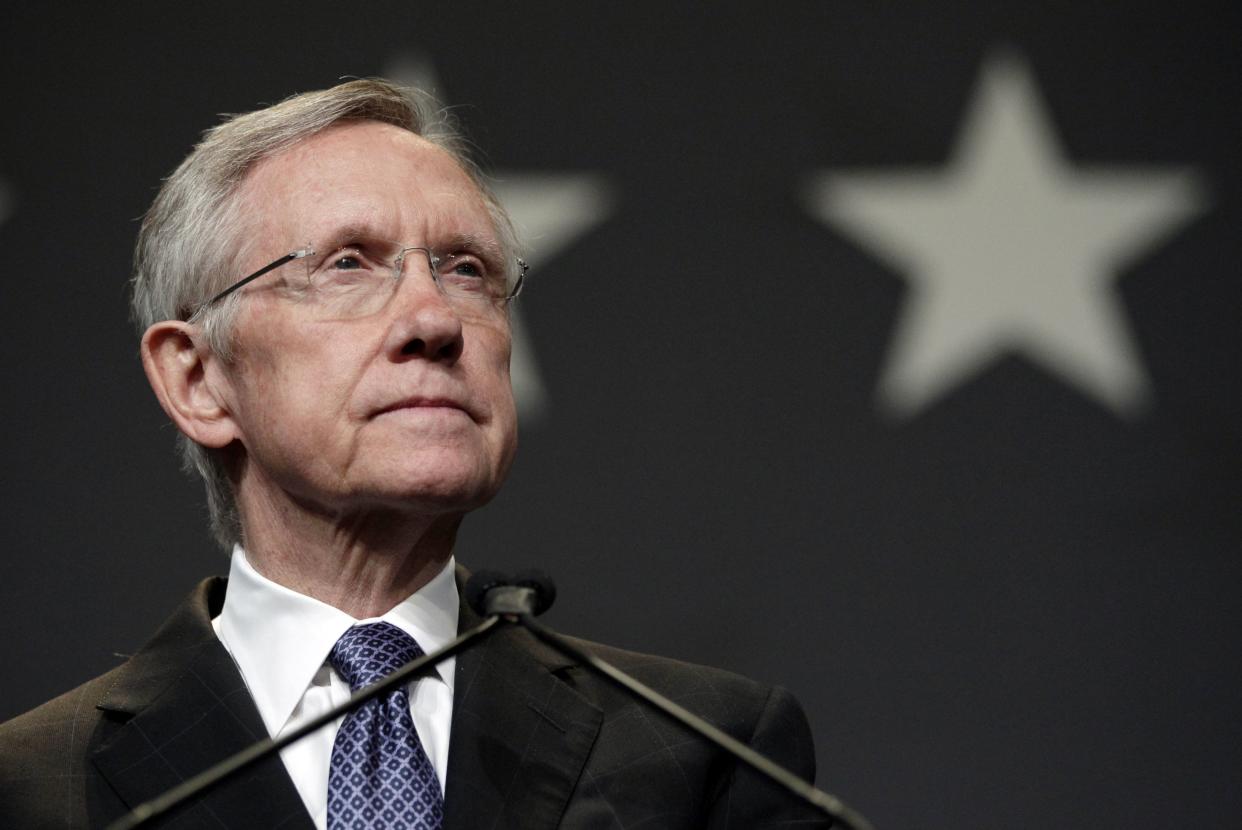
(358, 279)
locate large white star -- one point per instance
(1009, 249)
(550, 209)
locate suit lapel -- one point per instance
(185, 707)
(520, 736)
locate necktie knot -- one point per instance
(366, 653)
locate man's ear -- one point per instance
(177, 369)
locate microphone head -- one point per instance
(541, 584)
(479, 585)
(492, 592)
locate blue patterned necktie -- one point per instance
(380, 776)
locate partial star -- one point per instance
(1010, 249)
(551, 210)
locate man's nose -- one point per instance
(424, 323)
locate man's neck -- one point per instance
(361, 564)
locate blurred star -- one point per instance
(1010, 249)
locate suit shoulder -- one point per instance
(668, 669)
(640, 752)
(45, 766)
(56, 730)
(730, 700)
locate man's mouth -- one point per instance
(429, 404)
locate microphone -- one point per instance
(529, 592)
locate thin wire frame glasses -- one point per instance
(358, 279)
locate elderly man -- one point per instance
(323, 287)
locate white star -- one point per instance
(1009, 249)
(550, 209)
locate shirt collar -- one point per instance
(280, 638)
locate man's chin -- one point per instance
(422, 495)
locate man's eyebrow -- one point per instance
(473, 242)
(352, 232)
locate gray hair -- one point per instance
(190, 241)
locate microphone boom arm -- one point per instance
(499, 600)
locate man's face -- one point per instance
(407, 409)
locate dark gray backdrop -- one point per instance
(1015, 605)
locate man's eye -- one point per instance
(463, 265)
(345, 262)
(348, 269)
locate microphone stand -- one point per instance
(213, 776)
(830, 805)
(515, 604)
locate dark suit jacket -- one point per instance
(536, 742)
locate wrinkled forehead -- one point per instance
(362, 177)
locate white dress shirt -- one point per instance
(280, 640)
